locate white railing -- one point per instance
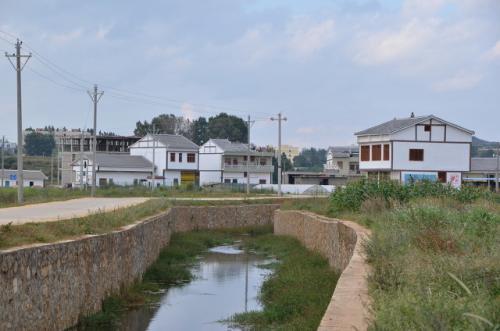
(251, 167)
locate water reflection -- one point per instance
(227, 281)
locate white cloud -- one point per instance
(103, 31)
(306, 38)
(307, 130)
(67, 37)
(457, 82)
(388, 46)
(493, 53)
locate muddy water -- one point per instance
(227, 281)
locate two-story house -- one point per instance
(223, 161)
(342, 161)
(175, 158)
(416, 148)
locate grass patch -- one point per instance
(98, 223)
(434, 253)
(296, 295)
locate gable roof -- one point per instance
(399, 124)
(175, 141)
(28, 174)
(237, 148)
(123, 161)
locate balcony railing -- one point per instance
(242, 167)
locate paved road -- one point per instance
(59, 210)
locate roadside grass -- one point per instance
(434, 252)
(97, 223)
(296, 295)
(172, 267)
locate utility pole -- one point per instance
(52, 167)
(249, 125)
(279, 119)
(95, 96)
(18, 67)
(153, 172)
(498, 170)
(3, 166)
(81, 161)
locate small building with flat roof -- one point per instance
(482, 171)
(32, 178)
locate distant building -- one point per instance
(176, 158)
(290, 151)
(416, 148)
(223, 161)
(32, 178)
(342, 161)
(113, 169)
(69, 143)
(482, 172)
(9, 147)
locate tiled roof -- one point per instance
(230, 147)
(122, 161)
(28, 174)
(393, 126)
(176, 141)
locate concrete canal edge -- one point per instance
(50, 286)
(341, 243)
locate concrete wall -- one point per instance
(341, 243)
(48, 287)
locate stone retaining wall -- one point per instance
(48, 287)
(340, 242)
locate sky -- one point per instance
(331, 67)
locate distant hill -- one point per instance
(483, 148)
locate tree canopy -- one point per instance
(39, 144)
(311, 159)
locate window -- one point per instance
(245, 174)
(262, 181)
(191, 158)
(235, 181)
(244, 158)
(416, 154)
(32, 184)
(227, 161)
(227, 181)
(386, 152)
(442, 176)
(252, 158)
(340, 164)
(235, 161)
(172, 157)
(365, 153)
(180, 157)
(176, 181)
(7, 183)
(376, 152)
(427, 128)
(263, 162)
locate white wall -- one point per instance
(122, 178)
(456, 135)
(184, 165)
(241, 179)
(437, 156)
(170, 176)
(13, 183)
(210, 163)
(210, 177)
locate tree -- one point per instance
(164, 123)
(39, 144)
(311, 159)
(286, 165)
(200, 131)
(227, 127)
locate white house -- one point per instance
(113, 169)
(175, 157)
(416, 148)
(342, 160)
(223, 161)
(32, 178)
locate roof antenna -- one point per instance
(412, 115)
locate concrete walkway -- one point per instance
(59, 210)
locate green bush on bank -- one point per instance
(352, 197)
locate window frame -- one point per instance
(180, 157)
(416, 154)
(172, 157)
(386, 154)
(191, 157)
(376, 152)
(364, 153)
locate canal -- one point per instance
(226, 281)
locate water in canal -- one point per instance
(227, 281)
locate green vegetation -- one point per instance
(434, 251)
(296, 295)
(42, 163)
(98, 223)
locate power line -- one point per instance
(55, 82)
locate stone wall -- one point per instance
(48, 287)
(341, 243)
